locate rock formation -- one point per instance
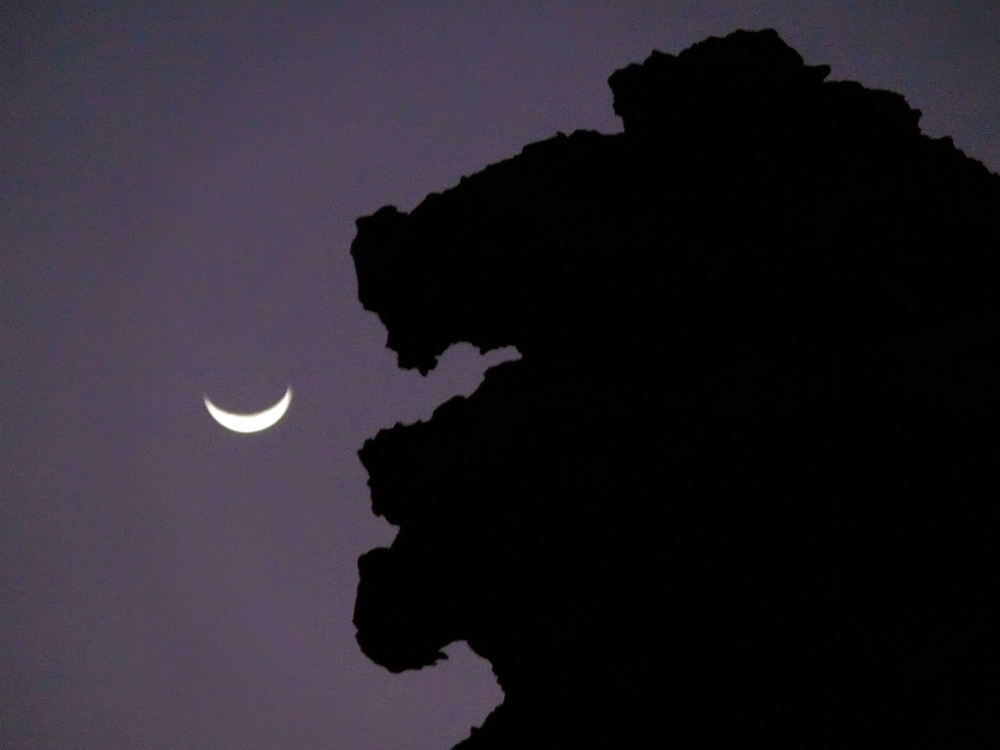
(739, 485)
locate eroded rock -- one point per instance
(738, 485)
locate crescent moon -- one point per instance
(256, 422)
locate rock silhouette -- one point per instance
(739, 485)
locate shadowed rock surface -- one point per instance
(741, 483)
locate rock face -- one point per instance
(739, 486)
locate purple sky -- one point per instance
(178, 189)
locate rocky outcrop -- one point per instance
(739, 484)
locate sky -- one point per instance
(178, 188)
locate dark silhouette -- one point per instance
(740, 485)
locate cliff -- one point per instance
(738, 485)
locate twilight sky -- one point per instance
(178, 189)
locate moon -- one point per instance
(256, 422)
